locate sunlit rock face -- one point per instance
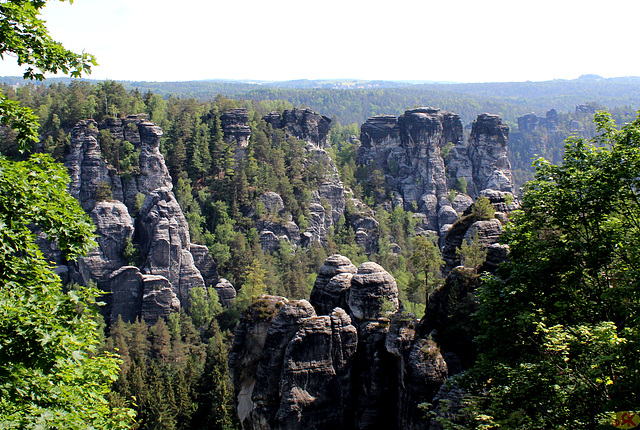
(142, 218)
(428, 168)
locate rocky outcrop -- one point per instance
(363, 366)
(135, 295)
(328, 200)
(332, 284)
(87, 170)
(488, 154)
(235, 127)
(427, 166)
(408, 151)
(164, 237)
(303, 124)
(114, 227)
(531, 123)
(157, 242)
(226, 292)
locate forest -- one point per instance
(556, 326)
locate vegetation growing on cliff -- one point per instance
(559, 328)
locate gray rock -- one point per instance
(246, 352)
(373, 294)
(266, 395)
(315, 380)
(127, 292)
(272, 202)
(304, 124)
(205, 264)
(164, 236)
(375, 378)
(447, 215)
(235, 127)
(407, 151)
(159, 299)
(226, 292)
(488, 232)
(461, 203)
(114, 227)
(331, 289)
(86, 167)
(488, 154)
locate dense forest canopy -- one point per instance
(349, 102)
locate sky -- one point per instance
(442, 40)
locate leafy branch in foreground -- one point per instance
(560, 325)
(51, 374)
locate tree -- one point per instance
(51, 375)
(560, 325)
(24, 35)
(472, 253)
(253, 285)
(428, 258)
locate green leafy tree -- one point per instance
(51, 375)
(25, 36)
(253, 285)
(560, 326)
(472, 253)
(483, 209)
(428, 259)
(204, 306)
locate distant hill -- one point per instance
(353, 101)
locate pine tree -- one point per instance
(214, 392)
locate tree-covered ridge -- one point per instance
(219, 191)
(352, 104)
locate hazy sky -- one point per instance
(444, 40)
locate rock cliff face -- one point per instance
(351, 357)
(304, 124)
(143, 215)
(328, 199)
(321, 364)
(423, 156)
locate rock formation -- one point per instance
(423, 158)
(235, 126)
(328, 199)
(301, 365)
(531, 123)
(351, 357)
(143, 219)
(303, 124)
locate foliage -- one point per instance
(175, 371)
(472, 253)
(559, 328)
(483, 209)
(25, 35)
(428, 258)
(51, 375)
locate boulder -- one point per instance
(373, 294)
(331, 289)
(226, 292)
